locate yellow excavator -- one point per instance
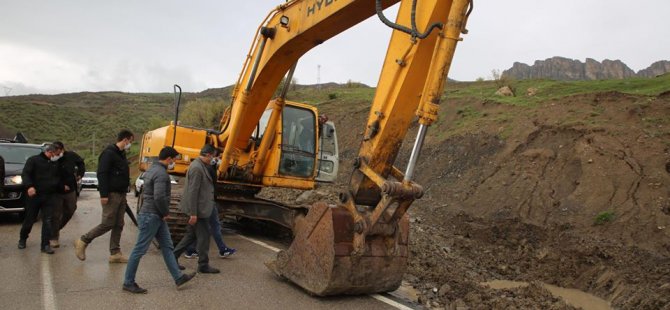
(360, 245)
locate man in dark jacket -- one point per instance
(113, 183)
(2, 172)
(151, 222)
(42, 179)
(72, 167)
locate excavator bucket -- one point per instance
(320, 259)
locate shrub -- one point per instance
(604, 217)
(332, 96)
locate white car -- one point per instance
(89, 180)
(139, 183)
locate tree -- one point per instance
(203, 113)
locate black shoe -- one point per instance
(208, 269)
(184, 278)
(182, 267)
(47, 249)
(22, 243)
(134, 288)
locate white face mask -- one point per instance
(170, 166)
(56, 157)
(127, 147)
(214, 161)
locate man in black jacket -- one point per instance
(2, 172)
(42, 179)
(72, 167)
(113, 183)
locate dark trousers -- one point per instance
(36, 204)
(200, 232)
(63, 212)
(112, 219)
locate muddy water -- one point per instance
(573, 297)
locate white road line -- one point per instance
(390, 302)
(261, 243)
(381, 298)
(48, 296)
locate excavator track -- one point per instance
(238, 203)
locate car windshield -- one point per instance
(90, 175)
(18, 154)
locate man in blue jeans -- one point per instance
(215, 226)
(151, 222)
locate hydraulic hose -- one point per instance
(414, 31)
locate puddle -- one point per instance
(573, 297)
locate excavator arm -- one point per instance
(361, 245)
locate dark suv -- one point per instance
(13, 195)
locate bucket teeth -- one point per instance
(320, 258)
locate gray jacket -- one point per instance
(198, 197)
(156, 191)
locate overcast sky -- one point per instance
(49, 46)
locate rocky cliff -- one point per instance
(656, 69)
(560, 68)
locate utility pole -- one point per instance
(93, 149)
(318, 76)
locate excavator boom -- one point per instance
(361, 245)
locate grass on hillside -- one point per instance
(548, 89)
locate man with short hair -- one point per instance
(198, 202)
(113, 183)
(151, 222)
(72, 167)
(42, 179)
(2, 172)
(214, 227)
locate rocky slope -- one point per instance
(560, 68)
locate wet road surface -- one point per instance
(32, 280)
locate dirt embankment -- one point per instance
(573, 193)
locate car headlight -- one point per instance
(13, 180)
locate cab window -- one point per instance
(298, 142)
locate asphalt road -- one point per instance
(32, 280)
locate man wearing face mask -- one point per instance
(198, 202)
(42, 179)
(73, 167)
(113, 183)
(151, 222)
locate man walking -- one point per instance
(198, 202)
(113, 183)
(2, 172)
(72, 167)
(42, 179)
(151, 222)
(214, 228)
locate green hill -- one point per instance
(88, 121)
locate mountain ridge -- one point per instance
(566, 69)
